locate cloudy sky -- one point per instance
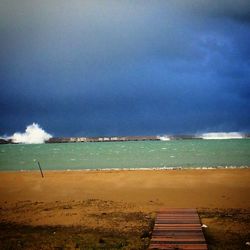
(125, 67)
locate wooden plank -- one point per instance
(179, 241)
(161, 233)
(167, 228)
(178, 225)
(178, 228)
(183, 211)
(174, 225)
(174, 239)
(179, 237)
(176, 221)
(178, 247)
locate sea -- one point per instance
(173, 154)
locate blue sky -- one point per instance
(125, 67)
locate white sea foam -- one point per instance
(222, 135)
(163, 138)
(33, 134)
(143, 169)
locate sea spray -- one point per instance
(163, 138)
(222, 135)
(33, 134)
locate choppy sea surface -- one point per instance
(132, 155)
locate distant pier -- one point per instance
(102, 139)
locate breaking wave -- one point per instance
(33, 134)
(222, 135)
(163, 138)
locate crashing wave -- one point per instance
(222, 135)
(33, 134)
(163, 138)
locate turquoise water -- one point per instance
(142, 154)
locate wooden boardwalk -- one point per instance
(178, 228)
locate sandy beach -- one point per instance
(215, 188)
(101, 201)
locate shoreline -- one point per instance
(129, 169)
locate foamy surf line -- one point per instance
(221, 135)
(130, 169)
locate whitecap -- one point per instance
(33, 134)
(222, 135)
(163, 138)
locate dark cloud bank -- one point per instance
(125, 67)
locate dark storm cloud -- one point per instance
(123, 67)
(237, 10)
